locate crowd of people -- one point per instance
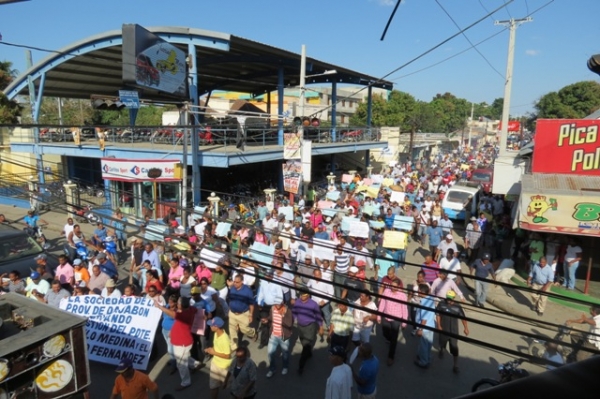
(210, 307)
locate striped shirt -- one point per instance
(342, 324)
(277, 319)
(342, 263)
(390, 307)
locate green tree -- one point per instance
(9, 110)
(450, 112)
(573, 101)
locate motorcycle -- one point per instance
(37, 234)
(80, 251)
(81, 214)
(110, 247)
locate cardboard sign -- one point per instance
(376, 224)
(370, 209)
(223, 229)
(387, 182)
(395, 239)
(397, 196)
(210, 257)
(262, 253)
(404, 223)
(358, 229)
(377, 178)
(116, 327)
(323, 249)
(288, 211)
(329, 212)
(333, 195)
(347, 178)
(325, 204)
(367, 182)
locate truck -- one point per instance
(485, 178)
(42, 351)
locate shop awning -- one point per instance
(560, 203)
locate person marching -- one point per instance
(447, 314)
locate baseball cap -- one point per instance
(77, 262)
(124, 364)
(353, 269)
(449, 236)
(34, 275)
(361, 263)
(195, 290)
(450, 294)
(486, 256)
(287, 225)
(101, 255)
(217, 322)
(338, 351)
(41, 257)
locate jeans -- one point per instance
(391, 329)
(424, 348)
(338, 278)
(169, 344)
(274, 343)
(326, 312)
(570, 271)
(265, 328)
(481, 290)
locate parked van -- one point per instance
(457, 197)
(485, 177)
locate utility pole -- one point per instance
(301, 111)
(512, 27)
(471, 124)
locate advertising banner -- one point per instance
(292, 145)
(126, 169)
(513, 126)
(560, 214)
(567, 146)
(306, 160)
(117, 327)
(292, 174)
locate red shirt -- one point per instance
(156, 284)
(181, 333)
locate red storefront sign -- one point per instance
(567, 146)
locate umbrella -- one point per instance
(396, 187)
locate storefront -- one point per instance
(140, 188)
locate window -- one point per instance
(459, 197)
(343, 103)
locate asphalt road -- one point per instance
(402, 380)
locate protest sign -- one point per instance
(116, 327)
(387, 182)
(333, 195)
(210, 257)
(331, 212)
(358, 229)
(323, 249)
(377, 178)
(376, 224)
(395, 239)
(397, 196)
(325, 204)
(372, 192)
(292, 173)
(404, 223)
(222, 229)
(367, 182)
(262, 253)
(370, 210)
(347, 178)
(287, 211)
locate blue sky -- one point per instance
(551, 51)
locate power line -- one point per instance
(469, 40)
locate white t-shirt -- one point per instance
(339, 383)
(68, 229)
(452, 265)
(572, 252)
(115, 294)
(594, 337)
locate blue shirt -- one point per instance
(322, 235)
(435, 235)
(389, 221)
(101, 233)
(167, 322)
(541, 275)
(262, 212)
(153, 258)
(269, 293)
(109, 268)
(240, 300)
(426, 313)
(384, 264)
(368, 372)
(31, 220)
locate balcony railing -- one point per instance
(176, 135)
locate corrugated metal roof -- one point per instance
(571, 185)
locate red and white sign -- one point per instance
(567, 146)
(127, 169)
(513, 126)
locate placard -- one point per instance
(287, 211)
(404, 223)
(333, 195)
(367, 182)
(358, 229)
(377, 178)
(323, 249)
(223, 229)
(387, 182)
(262, 253)
(395, 239)
(347, 178)
(372, 192)
(346, 220)
(325, 204)
(330, 212)
(397, 196)
(210, 257)
(370, 209)
(375, 224)
(117, 327)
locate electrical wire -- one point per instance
(473, 46)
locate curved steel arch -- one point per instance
(176, 35)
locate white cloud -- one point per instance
(386, 3)
(532, 53)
